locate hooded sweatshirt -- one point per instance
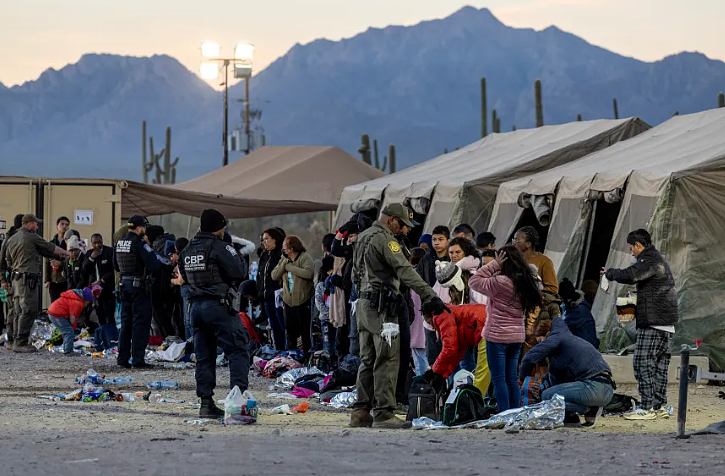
(70, 303)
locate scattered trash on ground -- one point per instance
(163, 385)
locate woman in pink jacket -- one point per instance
(512, 291)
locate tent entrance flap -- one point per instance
(528, 218)
(602, 222)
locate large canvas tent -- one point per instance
(461, 185)
(274, 180)
(670, 180)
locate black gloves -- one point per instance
(435, 380)
(434, 307)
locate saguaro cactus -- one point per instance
(484, 109)
(146, 166)
(539, 103)
(721, 100)
(391, 162)
(377, 158)
(616, 108)
(578, 117)
(364, 149)
(494, 120)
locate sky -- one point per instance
(38, 34)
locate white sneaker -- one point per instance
(664, 412)
(641, 414)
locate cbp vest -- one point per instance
(126, 255)
(200, 270)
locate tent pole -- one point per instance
(188, 227)
(332, 219)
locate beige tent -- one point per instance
(461, 186)
(671, 180)
(273, 180)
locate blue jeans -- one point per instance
(420, 360)
(275, 315)
(328, 337)
(186, 311)
(353, 335)
(579, 396)
(503, 360)
(65, 327)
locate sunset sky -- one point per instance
(38, 34)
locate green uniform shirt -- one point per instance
(23, 250)
(379, 262)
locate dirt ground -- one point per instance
(43, 437)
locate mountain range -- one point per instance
(416, 87)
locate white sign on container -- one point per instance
(83, 217)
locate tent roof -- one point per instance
(498, 154)
(298, 173)
(681, 143)
(145, 199)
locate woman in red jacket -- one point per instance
(459, 330)
(64, 312)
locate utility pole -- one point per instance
(225, 160)
(247, 129)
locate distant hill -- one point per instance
(417, 87)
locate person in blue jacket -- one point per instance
(577, 372)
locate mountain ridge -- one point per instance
(415, 86)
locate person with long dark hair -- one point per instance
(266, 286)
(512, 291)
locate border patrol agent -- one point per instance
(212, 269)
(133, 258)
(21, 254)
(379, 267)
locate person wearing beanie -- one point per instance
(75, 265)
(578, 313)
(426, 242)
(211, 268)
(64, 313)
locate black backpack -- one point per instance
(468, 406)
(621, 403)
(424, 402)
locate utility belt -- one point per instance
(29, 279)
(138, 282)
(386, 301)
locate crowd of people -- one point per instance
(503, 314)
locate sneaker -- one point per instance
(401, 409)
(592, 417)
(641, 414)
(662, 412)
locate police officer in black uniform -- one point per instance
(134, 259)
(211, 268)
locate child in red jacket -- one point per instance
(459, 330)
(64, 312)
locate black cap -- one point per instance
(212, 220)
(137, 220)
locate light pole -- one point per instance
(209, 69)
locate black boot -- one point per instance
(209, 409)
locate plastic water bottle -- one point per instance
(163, 385)
(156, 398)
(118, 381)
(128, 397)
(178, 365)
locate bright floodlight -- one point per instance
(209, 70)
(210, 49)
(244, 52)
